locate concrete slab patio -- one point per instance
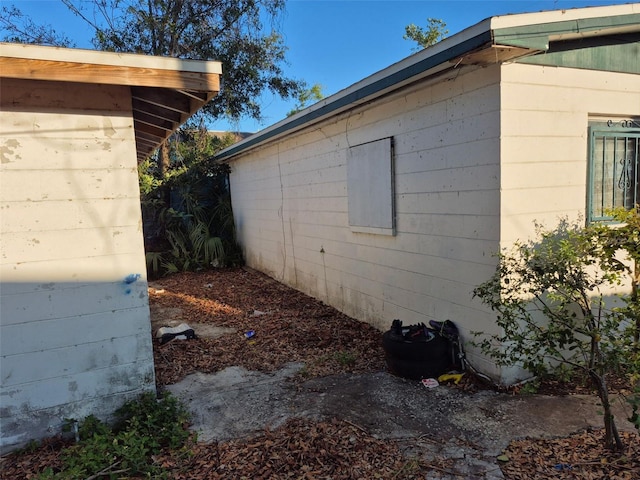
(469, 429)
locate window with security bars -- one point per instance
(614, 168)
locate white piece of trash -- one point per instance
(430, 382)
(181, 332)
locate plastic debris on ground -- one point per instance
(430, 382)
(455, 377)
(181, 332)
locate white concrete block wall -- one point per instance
(290, 204)
(545, 113)
(544, 149)
(74, 334)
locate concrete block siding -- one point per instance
(490, 133)
(544, 123)
(74, 324)
(479, 155)
(290, 201)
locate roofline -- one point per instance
(553, 16)
(408, 70)
(164, 91)
(100, 57)
(447, 54)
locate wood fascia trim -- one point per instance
(107, 74)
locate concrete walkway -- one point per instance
(470, 430)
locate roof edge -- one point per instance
(422, 64)
(100, 57)
(529, 31)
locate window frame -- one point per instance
(611, 129)
(370, 187)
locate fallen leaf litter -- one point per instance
(291, 326)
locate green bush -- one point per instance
(186, 207)
(549, 294)
(143, 428)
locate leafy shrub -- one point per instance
(186, 207)
(548, 294)
(143, 428)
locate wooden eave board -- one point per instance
(493, 54)
(165, 91)
(107, 74)
(121, 61)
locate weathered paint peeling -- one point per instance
(108, 129)
(8, 149)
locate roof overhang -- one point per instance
(494, 40)
(165, 91)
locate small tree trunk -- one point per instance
(163, 167)
(635, 298)
(164, 159)
(612, 437)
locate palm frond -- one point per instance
(154, 260)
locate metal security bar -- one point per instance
(614, 172)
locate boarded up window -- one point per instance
(370, 187)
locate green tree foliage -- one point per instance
(550, 298)
(624, 238)
(435, 31)
(192, 228)
(19, 28)
(306, 96)
(233, 32)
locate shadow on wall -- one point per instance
(70, 350)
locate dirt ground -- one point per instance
(307, 395)
(306, 362)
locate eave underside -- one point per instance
(161, 99)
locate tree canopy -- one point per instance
(425, 37)
(241, 34)
(20, 28)
(306, 96)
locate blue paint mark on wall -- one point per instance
(132, 277)
(129, 279)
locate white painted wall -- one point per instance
(544, 147)
(479, 155)
(544, 124)
(290, 204)
(74, 335)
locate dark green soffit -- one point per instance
(617, 53)
(539, 36)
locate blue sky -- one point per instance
(334, 42)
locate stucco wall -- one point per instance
(290, 204)
(74, 320)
